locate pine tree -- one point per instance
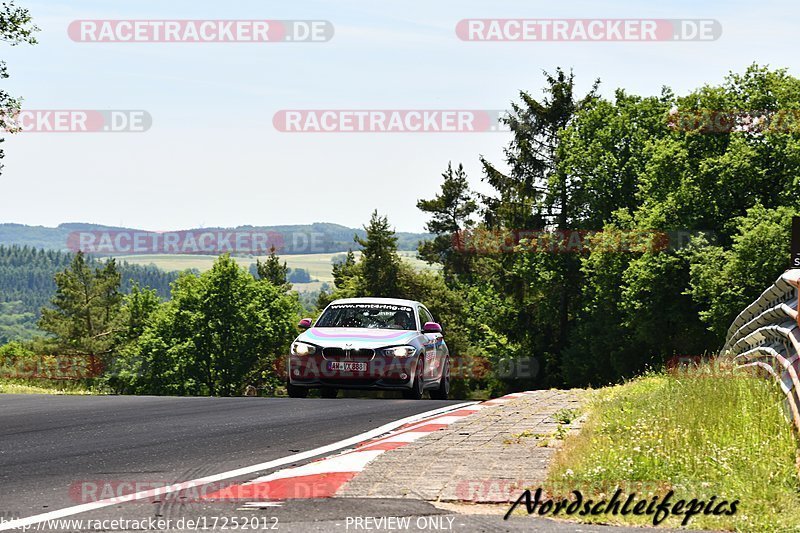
(85, 308)
(537, 194)
(379, 259)
(344, 270)
(272, 270)
(533, 193)
(450, 214)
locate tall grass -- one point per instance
(44, 386)
(713, 431)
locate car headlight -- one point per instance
(400, 351)
(301, 348)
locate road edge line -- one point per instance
(328, 448)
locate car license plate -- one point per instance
(347, 366)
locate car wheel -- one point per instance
(296, 392)
(328, 392)
(415, 392)
(443, 390)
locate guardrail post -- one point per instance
(797, 295)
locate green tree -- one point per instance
(85, 308)
(379, 259)
(16, 27)
(724, 281)
(604, 150)
(628, 166)
(299, 275)
(646, 171)
(218, 330)
(347, 281)
(536, 194)
(137, 309)
(451, 213)
(344, 270)
(272, 270)
(163, 360)
(535, 180)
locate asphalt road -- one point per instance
(52, 446)
(49, 445)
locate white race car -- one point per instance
(371, 343)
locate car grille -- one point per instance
(338, 354)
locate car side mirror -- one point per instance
(431, 327)
(304, 324)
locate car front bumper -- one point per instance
(381, 372)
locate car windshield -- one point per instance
(367, 315)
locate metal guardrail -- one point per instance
(766, 336)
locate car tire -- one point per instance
(328, 392)
(443, 390)
(416, 390)
(296, 392)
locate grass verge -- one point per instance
(25, 386)
(708, 432)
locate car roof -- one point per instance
(393, 301)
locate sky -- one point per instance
(212, 157)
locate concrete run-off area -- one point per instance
(488, 457)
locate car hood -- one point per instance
(356, 337)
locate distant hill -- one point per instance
(300, 239)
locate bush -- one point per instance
(219, 330)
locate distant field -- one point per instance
(318, 265)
